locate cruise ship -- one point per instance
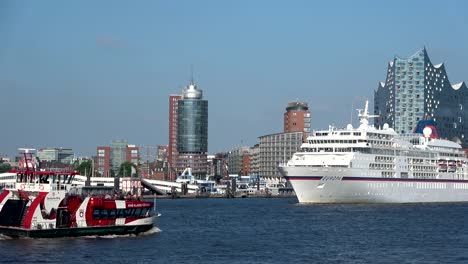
(376, 165)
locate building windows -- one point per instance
(101, 153)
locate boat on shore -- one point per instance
(373, 165)
(47, 204)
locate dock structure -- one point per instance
(165, 189)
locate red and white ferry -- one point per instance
(45, 204)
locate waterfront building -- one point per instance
(210, 170)
(109, 158)
(173, 121)
(62, 155)
(415, 89)
(132, 154)
(220, 167)
(275, 149)
(4, 159)
(103, 161)
(246, 159)
(255, 160)
(192, 132)
(162, 152)
(118, 154)
(239, 161)
(297, 118)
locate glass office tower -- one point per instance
(192, 132)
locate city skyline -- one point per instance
(79, 75)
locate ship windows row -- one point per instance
(424, 175)
(374, 166)
(349, 141)
(119, 213)
(321, 134)
(331, 141)
(361, 150)
(384, 159)
(379, 136)
(326, 149)
(422, 168)
(387, 174)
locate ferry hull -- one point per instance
(74, 232)
(336, 187)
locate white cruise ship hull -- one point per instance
(345, 185)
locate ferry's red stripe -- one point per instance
(3, 195)
(349, 178)
(30, 213)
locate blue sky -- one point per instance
(80, 74)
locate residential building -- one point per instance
(297, 118)
(416, 89)
(173, 122)
(133, 154)
(109, 158)
(275, 149)
(220, 165)
(246, 159)
(255, 160)
(163, 151)
(210, 171)
(239, 161)
(103, 161)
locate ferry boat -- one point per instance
(47, 204)
(371, 165)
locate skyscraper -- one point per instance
(173, 117)
(297, 118)
(192, 131)
(416, 89)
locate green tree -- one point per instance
(126, 169)
(4, 167)
(85, 168)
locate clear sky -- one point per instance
(78, 74)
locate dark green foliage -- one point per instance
(4, 167)
(85, 168)
(126, 169)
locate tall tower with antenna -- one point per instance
(192, 131)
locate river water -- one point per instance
(269, 231)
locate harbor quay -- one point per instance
(219, 196)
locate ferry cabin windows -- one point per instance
(119, 213)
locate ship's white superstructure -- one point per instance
(366, 164)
